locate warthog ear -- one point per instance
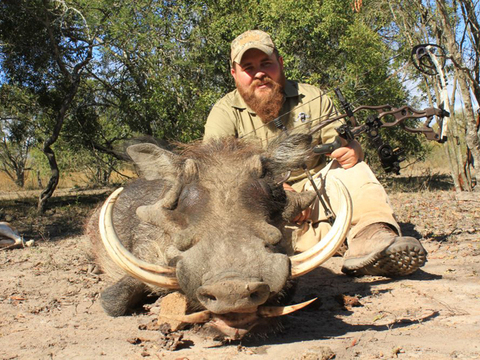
(289, 152)
(154, 162)
(157, 163)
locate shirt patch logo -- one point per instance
(302, 117)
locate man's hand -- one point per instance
(349, 155)
(304, 215)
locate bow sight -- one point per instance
(390, 158)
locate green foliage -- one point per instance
(149, 54)
(18, 109)
(159, 66)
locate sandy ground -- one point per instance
(49, 306)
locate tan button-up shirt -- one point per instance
(305, 106)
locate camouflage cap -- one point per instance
(251, 39)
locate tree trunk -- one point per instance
(72, 82)
(471, 137)
(453, 149)
(52, 183)
(469, 17)
(20, 177)
(456, 132)
(48, 151)
(39, 179)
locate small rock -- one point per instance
(348, 301)
(93, 269)
(318, 353)
(173, 304)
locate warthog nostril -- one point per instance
(205, 295)
(210, 297)
(255, 295)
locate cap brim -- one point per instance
(264, 48)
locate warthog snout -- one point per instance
(233, 296)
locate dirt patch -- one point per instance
(49, 305)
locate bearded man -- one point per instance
(262, 94)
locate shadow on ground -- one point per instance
(429, 182)
(65, 216)
(323, 318)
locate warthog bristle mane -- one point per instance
(290, 152)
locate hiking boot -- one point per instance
(378, 250)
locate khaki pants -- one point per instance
(369, 199)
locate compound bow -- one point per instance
(427, 62)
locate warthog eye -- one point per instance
(267, 196)
(191, 197)
(260, 190)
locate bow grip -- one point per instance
(328, 148)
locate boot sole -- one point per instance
(403, 257)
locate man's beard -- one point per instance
(268, 104)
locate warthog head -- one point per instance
(209, 222)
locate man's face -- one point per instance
(254, 67)
(260, 81)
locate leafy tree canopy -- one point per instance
(159, 66)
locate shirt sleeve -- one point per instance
(220, 123)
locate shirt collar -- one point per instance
(291, 90)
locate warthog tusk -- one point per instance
(262, 311)
(322, 251)
(274, 311)
(195, 318)
(162, 276)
